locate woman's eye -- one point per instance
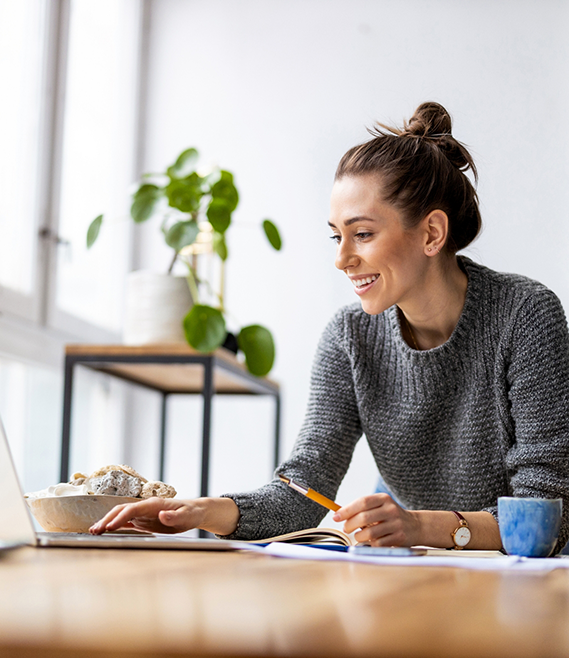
(336, 238)
(362, 236)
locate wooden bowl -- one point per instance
(73, 513)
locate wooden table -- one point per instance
(167, 368)
(63, 603)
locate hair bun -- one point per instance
(429, 120)
(432, 122)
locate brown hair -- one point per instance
(422, 168)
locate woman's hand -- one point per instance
(153, 514)
(385, 523)
(169, 515)
(382, 521)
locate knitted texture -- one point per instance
(452, 428)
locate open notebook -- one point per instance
(16, 527)
(316, 536)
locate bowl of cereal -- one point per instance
(77, 505)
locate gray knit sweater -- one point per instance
(452, 428)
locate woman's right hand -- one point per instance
(169, 515)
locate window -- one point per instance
(22, 46)
(98, 160)
(30, 400)
(70, 72)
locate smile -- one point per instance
(361, 283)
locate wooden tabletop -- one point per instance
(126, 603)
(229, 374)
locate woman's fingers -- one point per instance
(101, 525)
(365, 511)
(377, 519)
(365, 519)
(386, 533)
(361, 505)
(121, 515)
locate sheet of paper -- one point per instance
(506, 562)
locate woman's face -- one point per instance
(384, 261)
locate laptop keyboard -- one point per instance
(83, 536)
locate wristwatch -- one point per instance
(462, 535)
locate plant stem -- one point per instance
(221, 295)
(191, 279)
(173, 262)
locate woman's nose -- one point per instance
(344, 256)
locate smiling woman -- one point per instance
(391, 264)
(457, 375)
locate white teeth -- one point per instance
(364, 282)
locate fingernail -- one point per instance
(337, 517)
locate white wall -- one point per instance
(277, 91)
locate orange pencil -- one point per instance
(310, 493)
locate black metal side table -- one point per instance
(167, 368)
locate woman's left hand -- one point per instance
(382, 521)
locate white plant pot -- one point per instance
(155, 308)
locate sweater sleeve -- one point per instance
(322, 452)
(537, 461)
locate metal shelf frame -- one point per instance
(104, 362)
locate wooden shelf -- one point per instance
(230, 375)
(167, 368)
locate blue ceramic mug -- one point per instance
(529, 526)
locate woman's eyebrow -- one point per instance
(353, 220)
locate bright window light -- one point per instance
(98, 158)
(21, 51)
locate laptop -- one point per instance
(17, 529)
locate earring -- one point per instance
(429, 249)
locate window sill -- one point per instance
(33, 343)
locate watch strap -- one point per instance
(463, 523)
(461, 519)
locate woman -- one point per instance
(457, 375)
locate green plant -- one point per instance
(193, 205)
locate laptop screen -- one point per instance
(15, 522)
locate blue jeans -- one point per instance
(381, 487)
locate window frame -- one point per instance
(32, 328)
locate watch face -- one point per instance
(462, 536)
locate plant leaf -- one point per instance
(93, 231)
(220, 246)
(204, 327)
(258, 345)
(185, 194)
(219, 215)
(181, 234)
(226, 190)
(273, 235)
(184, 165)
(143, 202)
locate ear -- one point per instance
(436, 232)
